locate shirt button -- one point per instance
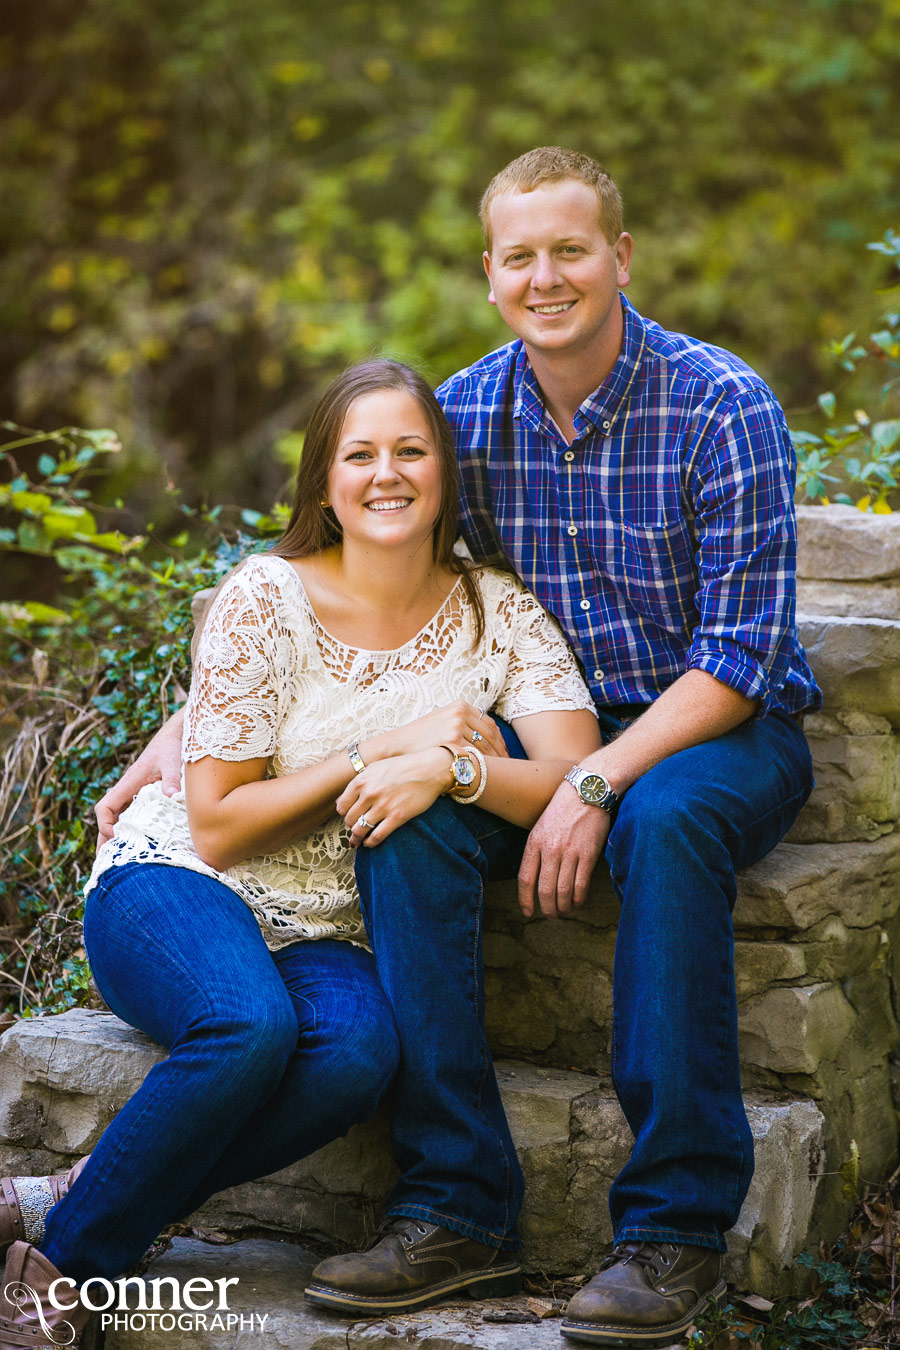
(569, 456)
(606, 426)
(573, 530)
(585, 604)
(599, 675)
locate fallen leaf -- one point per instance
(756, 1301)
(543, 1307)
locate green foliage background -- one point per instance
(208, 208)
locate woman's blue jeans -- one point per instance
(271, 1055)
(681, 833)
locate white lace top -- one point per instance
(270, 680)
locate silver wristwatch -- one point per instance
(592, 788)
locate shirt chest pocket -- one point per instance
(652, 567)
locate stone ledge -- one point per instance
(842, 543)
(272, 1277)
(63, 1078)
(856, 662)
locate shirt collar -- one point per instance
(600, 409)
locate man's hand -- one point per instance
(561, 854)
(160, 760)
(566, 843)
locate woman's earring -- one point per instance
(325, 503)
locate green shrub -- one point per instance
(867, 445)
(88, 680)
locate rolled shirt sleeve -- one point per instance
(742, 486)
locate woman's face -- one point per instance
(384, 484)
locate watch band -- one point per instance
(470, 753)
(482, 782)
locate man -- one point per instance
(641, 483)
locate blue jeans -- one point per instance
(681, 833)
(422, 893)
(271, 1055)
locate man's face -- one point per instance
(554, 275)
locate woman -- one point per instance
(338, 703)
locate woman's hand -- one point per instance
(392, 791)
(454, 724)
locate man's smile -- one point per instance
(559, 307)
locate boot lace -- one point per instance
(648, 1255)
(400, 1224)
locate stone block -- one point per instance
(791, 1029)
(841, 543)
(857, 792)
(832, 951)
(549, 984)
(776, 1219)
(856, 662)
(799, 885)
(875, 599)
(875, 1033)
(758, 965)
(570, 1133)
(857, 1104)
(62, 1079)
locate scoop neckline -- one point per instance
(365, 651)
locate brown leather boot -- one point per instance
(646, 1294)
(27, 1316)
(411, 1266)
(25, 1203)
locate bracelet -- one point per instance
(356, 758)
(482, 784)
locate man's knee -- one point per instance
(361, 1040)
(254, 1036)
(420, 847)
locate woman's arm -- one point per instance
(394, 790)
(234, 811)
(519, 790)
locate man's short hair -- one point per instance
(551, 164)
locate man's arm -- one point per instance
(160, 760)
(741, 477)
(566, 843)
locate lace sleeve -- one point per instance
(542, 675)
(242, 671)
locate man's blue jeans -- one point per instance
(271, 1056)
(422, 893)
(680, 834)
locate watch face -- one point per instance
(593, 788)
(463, 770)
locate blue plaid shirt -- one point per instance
(663, 538)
